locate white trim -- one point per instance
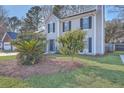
(94, 29)
(103, 35)
(4, 36)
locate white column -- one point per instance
(58, 32)
(94, 37)
(103, 32)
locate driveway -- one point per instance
(8, 54)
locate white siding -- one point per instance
(52, 35)
(7, 46)
(75, 24)
(96, 32)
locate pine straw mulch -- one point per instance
(12, 69)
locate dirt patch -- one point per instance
(12, 69)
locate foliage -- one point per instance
(113, 31)
(56, 9)
(3, 21)
(14, 24)
(71, 42)
(33, 19)
(30, 48)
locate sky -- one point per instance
(17, 10)
(21, 10)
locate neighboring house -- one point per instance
(90, 20)
(7, 39)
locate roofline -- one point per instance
(6, 33)
(50, 16)
(79, 14)
(4, 36)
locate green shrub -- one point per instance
(71, 42)
(30, 50)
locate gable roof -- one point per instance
(12, 35)
(51, 15)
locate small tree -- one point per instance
(71, 42)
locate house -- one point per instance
(7, 39)
(90, 19)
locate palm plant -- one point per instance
(30, 50)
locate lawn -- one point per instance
(7, 57)
(7, 82)
(105, 71)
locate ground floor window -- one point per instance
(90, 45)
(52, 45)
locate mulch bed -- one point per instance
(12, 69)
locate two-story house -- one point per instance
(90, 19)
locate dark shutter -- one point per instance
(90, 45)
(81, 23)
(63, 26)
(90, 22)
(53, 27)
(69, 25)
(48, 28)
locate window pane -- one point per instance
(85, 23)
(66, 26)
(51, 27)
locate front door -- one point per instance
(51, 45)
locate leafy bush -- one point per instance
(30, 49)
(71, 42)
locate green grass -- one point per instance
(105, 71)
(7, 82)
(84, 77)
(7, 57)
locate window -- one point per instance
(48, 28)
(86, 23)
(66, 26)
(90, 44)
(51, 27)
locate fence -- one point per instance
(119, 47)
(114, 47)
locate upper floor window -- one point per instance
(66, 26)
(51, 27)
(86, 23)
